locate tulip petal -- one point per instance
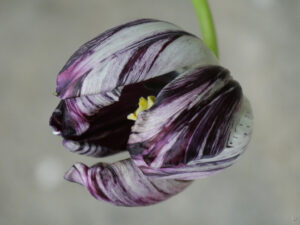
(97, 125)
(128, 54)
(123, 184)
(185, 132)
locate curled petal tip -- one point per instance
(56, 132)
(123, 184)
(74, 174)
(71, 145)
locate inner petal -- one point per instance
(91, 127)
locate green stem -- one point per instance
(207, 25)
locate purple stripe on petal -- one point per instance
(89, 46)
(97, 125)
(189, 125)
(133, 53)
(92, 149)
(123, 184)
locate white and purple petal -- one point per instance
(130, 53)
(123, 184)
(97, 125)
(191, 124)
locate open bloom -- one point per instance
(192, 119)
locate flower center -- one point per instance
(144, 104)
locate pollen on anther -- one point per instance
(144, 104)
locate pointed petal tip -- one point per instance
(123, 184)
(74, 173)
(73, 146)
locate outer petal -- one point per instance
(193, 128)
(130, 53)
(123, 184)
(103, 80)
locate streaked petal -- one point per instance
(123, 184)
(185, 133)
(97, 125)
(130, 53)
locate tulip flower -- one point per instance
(158, 92)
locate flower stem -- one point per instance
(207, 25)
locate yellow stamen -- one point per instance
(144, 104)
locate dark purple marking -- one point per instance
(141, 48)
(88, 47)
(61, 120)
(207, 122)
(219, 120)
(109, 127)
(162, 49)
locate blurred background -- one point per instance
(259, 43)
